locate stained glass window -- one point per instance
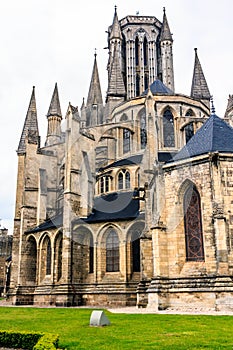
(112, 252)
(143, 134)
(168, 129)
(189, 132)
(193, 225)
(48, 258)
(126, 140)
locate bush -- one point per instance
(30, 341)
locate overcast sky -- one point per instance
(48, 41)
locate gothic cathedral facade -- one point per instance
(131, 204)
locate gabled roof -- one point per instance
(215, 135)
(158, 88)
(30, 125)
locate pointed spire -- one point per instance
(115, 29)
(199, 87)
(229, 104)
(55, 108)
(30, 125)
(95, 94)
(116, 86)
(165, 31)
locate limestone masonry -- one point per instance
(133, 203)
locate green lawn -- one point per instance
(137, 331)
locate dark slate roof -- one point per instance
(114, 206)
(54, 222)
(158, 88)
(165, 156)
(126, 161)
(215, 135)
(199, 87)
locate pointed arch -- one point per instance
(143, 128)
(58, 257)
(189, 131)
(112, 251)
(193, 225)
(168, 128)
(31, 261)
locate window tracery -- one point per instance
(112, 252)
(193, 225)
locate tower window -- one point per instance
(126, 140)
(143, 133)
(168, 129)
(189, 132)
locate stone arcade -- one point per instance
(133, 203)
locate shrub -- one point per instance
(30, 341)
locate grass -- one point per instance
(136, 331)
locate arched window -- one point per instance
(101, 185)
(137, 85)
(31, 261)
(143, 133)
(126, 140)
(91, 255)
(146, 81)
(189, 113)
(127, 180)
(48, 258)
(136, 51)
(112, 252)
(168, 129)
(120, 181)
(189, 132)
(145, 51)
(135, 246)
(59, 260)
(193, 225)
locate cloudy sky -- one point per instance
(48, 41)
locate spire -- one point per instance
(199, 88)
(115, 29)
(165, 31)
(54, 120)
(54, 108)
(229, 105)
(116, 86)
(30, 128)
(95, 94)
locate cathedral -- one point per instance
(131, 204)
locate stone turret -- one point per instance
(54, 120)
(166, 43)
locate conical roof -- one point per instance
(30, 124)
(199, 87)
(116, 86)
(95, 94)
(55, 108)
(115, 32)
(215, 135)
(165, 31)
(158, 88)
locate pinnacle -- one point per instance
(55, 108)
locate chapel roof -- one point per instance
(215, 135)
